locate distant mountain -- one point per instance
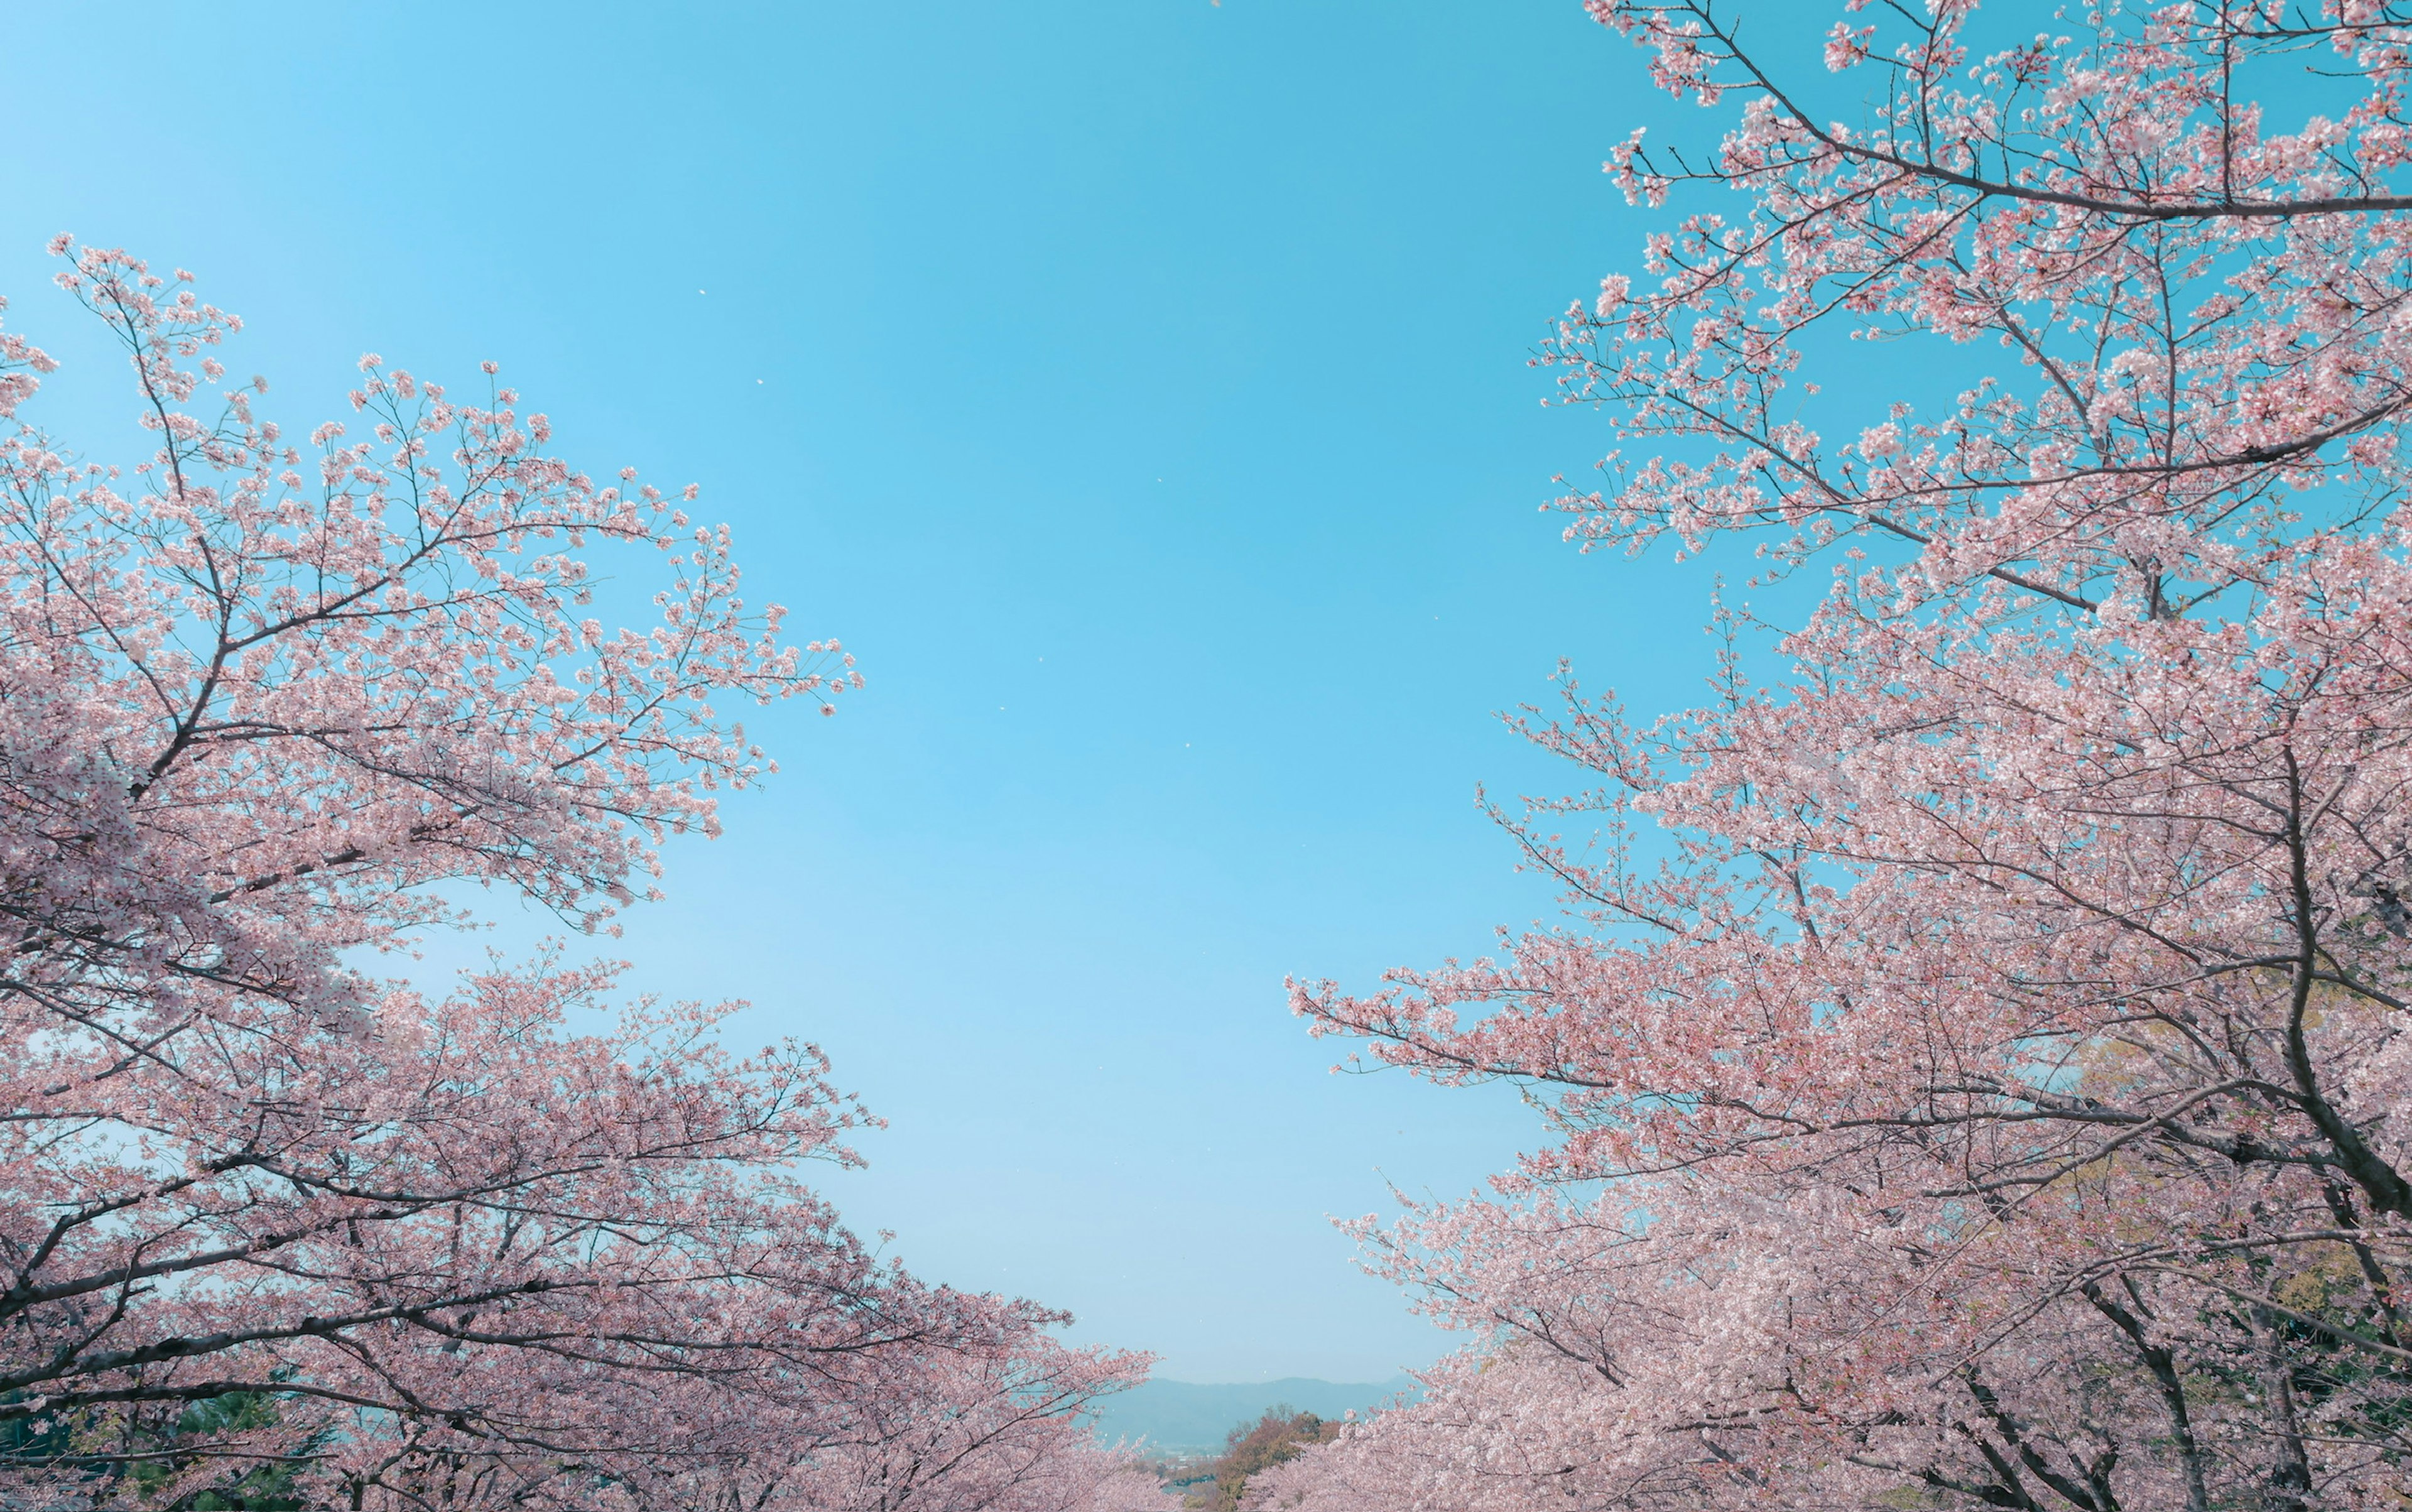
(1172, 1416)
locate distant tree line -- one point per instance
(1280, 1435)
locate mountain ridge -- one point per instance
(1175, 1416)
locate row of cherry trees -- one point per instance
(273, 1227)
(1977, 1054)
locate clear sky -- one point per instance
(1138, 386)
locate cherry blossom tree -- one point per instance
(1988, 1086)
(266, 703)
(998, 1429)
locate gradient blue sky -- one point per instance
(1138, 386)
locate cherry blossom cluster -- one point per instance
(268, 1221)
(1976, 1051)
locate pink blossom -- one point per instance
(1976, 1051)
(527, 1244)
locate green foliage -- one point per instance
(1282, 1433)
(251, 1488)
(128, 1457)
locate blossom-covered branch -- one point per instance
(1993, 1092)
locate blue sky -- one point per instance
(1138, 386)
